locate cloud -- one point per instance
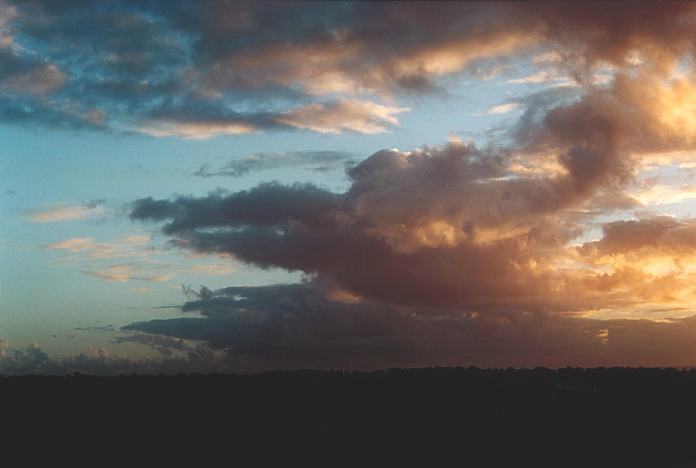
(167, 346)
(333, 117)
(545, 76)
(347, 115)
(252, 207)
(129, 247)
(66, 212)
(418, 227)
(25, 74)
(306, 325)
(662, 233)
(661, 194)
(476, 250)
(300, 326)
(196, 130)
(135, 240)
(361, 53)
(104, 328)
(22, 72)
(212, 269)
(97, 260)
(537, 77)
(173, 70)
(503, 108)
(126, 272)
(414, 228)
(97, 361)
(26, 111)
(321, 160)
(79, 245)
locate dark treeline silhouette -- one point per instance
(463, 416)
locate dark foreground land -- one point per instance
(431, 417)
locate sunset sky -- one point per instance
(225, 186)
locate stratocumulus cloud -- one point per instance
(204, 69)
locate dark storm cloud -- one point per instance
(295, 326)
(412, 229)
(298, 325)
(265, 205)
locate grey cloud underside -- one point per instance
(295, 326)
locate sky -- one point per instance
(238, 187)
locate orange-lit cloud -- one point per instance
(491, 229)
(196, 130)
(357, 116)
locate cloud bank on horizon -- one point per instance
(549, 244)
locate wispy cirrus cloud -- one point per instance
(318, 160)
(137, 260)
(198, 129)
(212, 268)
(130, 258)
(127, 247)
(58, 212)
(503, 108)
(346, 115)
(129, 271)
